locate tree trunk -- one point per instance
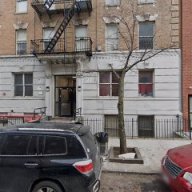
(122, 135)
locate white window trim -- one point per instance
(23, 84)
(116, 3)
(146, 1)
(17, 4)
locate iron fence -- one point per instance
(158, 128)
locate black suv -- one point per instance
(49, 157)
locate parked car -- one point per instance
(49, 157)
(177, 168)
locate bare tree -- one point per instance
(127, 32)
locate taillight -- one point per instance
(84, 167)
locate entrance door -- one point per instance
(65, 95)
(146, 126)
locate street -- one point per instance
(124, 182)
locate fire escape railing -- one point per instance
(81, 45)
(56, 44)
(67, 17)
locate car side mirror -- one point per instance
(102, 137)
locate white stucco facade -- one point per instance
(164, 103)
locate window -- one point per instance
(55, 145)
(146, 1)
(146, 83)
(81, 35)
(21, 42)
(108, 84)
(111, 37)
(24, 84)
(47, 36)
(112, 2)
(146, 34)
(21, 6)
(16, 145)
(146, 126)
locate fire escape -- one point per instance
(58, 46)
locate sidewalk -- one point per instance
(152, 151)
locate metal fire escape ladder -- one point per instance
(67, 17)
(48, 4)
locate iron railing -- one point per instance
(160, 129)
(81, 45)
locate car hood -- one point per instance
(182, 156)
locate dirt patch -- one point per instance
(116, 182)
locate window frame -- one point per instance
(27, 149)
(23, 84)
(147, 83)
(46, 41)
(113, 39)
(17, 6)
(55, 154)
(110, 83)
(18, 42)
(151, 44)
(146, 1)
(116, 3)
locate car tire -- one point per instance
(47, 186)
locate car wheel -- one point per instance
(47, 186)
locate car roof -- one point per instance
(53, 127)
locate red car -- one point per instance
(177, 168)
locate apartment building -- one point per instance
(186, 61)
(62, 54)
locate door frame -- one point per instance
(73, 106)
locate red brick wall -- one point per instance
(186, 55)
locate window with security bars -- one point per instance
(23, 84)
(146, 83)
(108, 83)
(146, 126)
(146, 35)
(21, 42)
(21, 6)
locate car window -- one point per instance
(32, 147)
(55, 145)
(90, 143)
(75, 148)
(16, 145)
(1, 140)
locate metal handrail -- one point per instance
(81, 44)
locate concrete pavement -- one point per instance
(152, 151)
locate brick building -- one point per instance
(186, 60)
(61, 55)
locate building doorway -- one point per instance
(65, 96)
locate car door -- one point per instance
(18, 162)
